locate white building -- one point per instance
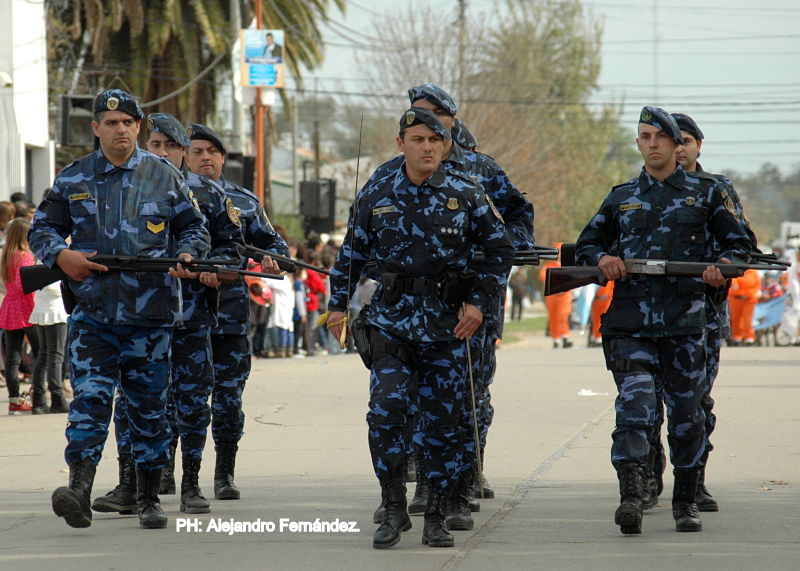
(27, 155)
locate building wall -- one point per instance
(27, 156)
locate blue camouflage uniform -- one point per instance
(419, 234)
(120, 330)
(655, 325)
(230, 340)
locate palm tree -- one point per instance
(155, 47)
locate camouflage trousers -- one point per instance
(102, 357)
(231, 357)
(639, 365)
(440, 391)
(192, 382)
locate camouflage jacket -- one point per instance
(234, 305)
(141, 208)
(680, 218)
(425, 232)
(225, 229)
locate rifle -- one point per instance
(561, 279)
(38, 276)
(284, 263)
(530, 257)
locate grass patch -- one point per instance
(526, 325)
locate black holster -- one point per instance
(361, 336)
(456, 287)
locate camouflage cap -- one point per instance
(435, 95)
(118, 100)
(168, 126)
(197, 131)
(686, 123)
(657, 117)
(419, 116)
(463, 137)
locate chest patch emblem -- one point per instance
(452, 204)
(690, 201)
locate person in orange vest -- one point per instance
(559, 307)
(743, 298)
(602, 299)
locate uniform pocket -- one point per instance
(154, 225)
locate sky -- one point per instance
(733, 65)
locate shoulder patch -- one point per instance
(730, 207)
(193, 199)
(233, 213)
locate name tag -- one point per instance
(383, 210)
(625, 207)
(80, 196)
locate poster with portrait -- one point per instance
(262, 58)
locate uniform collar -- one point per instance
(104, 166)
(457, 156)
(676, 179)
(436, 180)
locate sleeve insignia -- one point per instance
(233, 213)
(730, 207)
(493, 208)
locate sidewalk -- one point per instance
(304, 457)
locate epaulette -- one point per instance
(633, 181)
(462, 175)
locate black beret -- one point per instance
(686, 123)
(197, 131)
(419, 116)
(168, 126)
(463, 136)
(435, 95)
(118, 100)
(657, 117)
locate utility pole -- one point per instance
(236, 106)
(259, 127)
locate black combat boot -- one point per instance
(151, 516)
(72, 503)
(483, 491)
(380, 512)
(650, 482)
(396, 519)
(704, 500)
(629, 513)
(167, 485)
(121, 499)
(684, 510)
(224, 488)
(192, 500)
(457, 513)
(435, 532)
(419, 503)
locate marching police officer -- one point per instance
(422, 223)
(716, 317)
(192, 371)
(654, 328)
(230, 339)
(118, 200)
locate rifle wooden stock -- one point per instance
(39, 276)
(561, 279)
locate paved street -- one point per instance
(304, 457)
